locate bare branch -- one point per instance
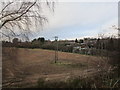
(22, 16)
(6, 6)
(12, 19)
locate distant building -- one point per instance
(82, 48)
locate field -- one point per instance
(24, 67)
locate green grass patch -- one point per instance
(70, 64)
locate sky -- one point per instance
(72, 20)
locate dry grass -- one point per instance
(23, 67)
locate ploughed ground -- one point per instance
(23, 67)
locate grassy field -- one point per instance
(24, 67)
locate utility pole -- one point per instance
(118, 33)
(56, 49)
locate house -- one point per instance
(76, 49)
(82, 48)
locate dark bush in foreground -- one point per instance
(98, 81)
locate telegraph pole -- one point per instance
(56, 49)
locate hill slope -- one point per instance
(26, 66)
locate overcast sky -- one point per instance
(73, 20)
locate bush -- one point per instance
(101, 80)
(41, 83)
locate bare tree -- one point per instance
(18, 17)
